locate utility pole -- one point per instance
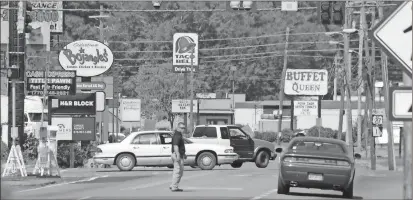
(280, 107)
(186, 97)
(369, 96)
(349, 134)
(384, 69)
(191, 109)
(233, 69)
(360, 81)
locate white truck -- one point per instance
(249, 149)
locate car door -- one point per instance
(166, 151)
(147, 149)
(242, 143)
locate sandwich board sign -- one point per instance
(394, 33)
(400, 104)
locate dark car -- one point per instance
(313, 162)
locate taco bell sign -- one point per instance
(87, 57)
(185, 45)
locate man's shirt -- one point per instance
(178, 139)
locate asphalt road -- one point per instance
(248, 182)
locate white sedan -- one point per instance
(153, 148)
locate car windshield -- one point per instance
(317, 146)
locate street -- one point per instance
(248, 182)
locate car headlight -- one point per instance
(98, 150)
(229, 151)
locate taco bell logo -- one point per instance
(185, 45)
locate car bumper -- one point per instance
(104, 160)
(273, 156)
(334, 177)
(227, 158)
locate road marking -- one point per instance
(264, 195)
(66, 183)
(243, 175)
(162, 182)
(88, 197)
(209, 188)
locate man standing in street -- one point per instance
(178, 156)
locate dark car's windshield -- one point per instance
(317, 146)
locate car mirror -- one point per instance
(357, 156)
(278, 150)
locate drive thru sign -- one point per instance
(394, 35)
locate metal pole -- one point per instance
(349, 134)
(191, 109)
(46, 73)
(407, 150)
(186, 97)
(233, 69)
(360, 78)
(280, 107)
(13, 85)
(335, 78)
(117, 115)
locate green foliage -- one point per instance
(82, 154)
(319, 131)
(286, 135)
(4, 151)
(30, 148)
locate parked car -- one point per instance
(153, 148)
(314, 162)
(249, 149)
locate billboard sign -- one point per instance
(83, 128)
(59, 83)
(53, 18)
(64, 125)
(81, 104)
(130, 110)
(87, 57)
(184, 106)
(185, 45)
(306, 82)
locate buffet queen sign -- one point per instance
(87, 57)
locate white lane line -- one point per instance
(66, 183)
(88, 197)
(210, 188)
(143, 186)
(264, 195)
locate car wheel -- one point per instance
(125, 162)
(262, 159)
(348, 192)
(206, 161)
(282, 189)
(236, 164)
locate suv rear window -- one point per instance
(317, 146)
(209, 132)
(224, 133)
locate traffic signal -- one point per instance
(338, 12)
(241, 6)
(324, 11)
(27, 18)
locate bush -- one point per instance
(4, 151)
(29, 149)
(267, 136)
(82, 154)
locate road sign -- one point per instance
(377, 120)
(400, 103)
(289, 5)
(183, 106)
(91, 86)
(394, 33)
(377, 131)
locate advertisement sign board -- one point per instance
(185, 45)
(306, 82)
(305, 108)
(130, 110)
(97, 84)
(53, 18)
(77, 104)
(65, 127)
(83, 128)
(39, 37)
(59, 83)
(184, 106)
(4, 20)
(87, 57)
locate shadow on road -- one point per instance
(163, 170)
(320, 195)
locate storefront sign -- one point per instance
(83, 128)
(130, 110)
(76, 104)
(184, 106)
(87, 57)
(306, 82)
(54, 18)
(64, 125)
(185, 46)
(305, 108)
(59, 83)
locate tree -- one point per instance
(157, 86)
